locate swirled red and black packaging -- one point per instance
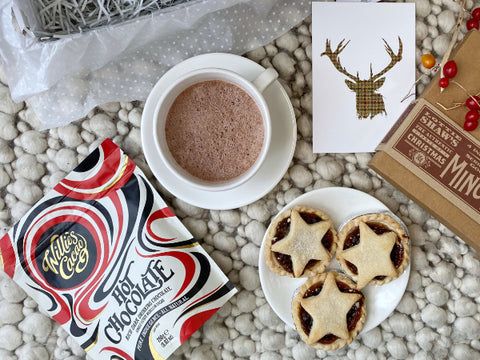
(106, 258)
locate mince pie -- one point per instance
(328, 311)
(373, 249)
(300, 242)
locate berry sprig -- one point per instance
(451, 68)
(448, 67)
(449, 71)
(472, 104)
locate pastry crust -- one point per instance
(344, 299)
(391, 224)
(271, 239)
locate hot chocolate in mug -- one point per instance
(213, 127)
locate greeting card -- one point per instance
(363, 58)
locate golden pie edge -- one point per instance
(339, 343)
(391, 223)
(270, 259)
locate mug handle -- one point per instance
(265, 79)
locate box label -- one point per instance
(437, 150)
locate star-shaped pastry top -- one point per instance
(303, 242)
(329, 310)
(372, 255)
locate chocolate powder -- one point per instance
(214, 130)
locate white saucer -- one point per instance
(339, 204)
(279, 156)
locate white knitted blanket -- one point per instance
(437, 318)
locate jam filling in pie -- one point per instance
(373, 249)
(300, 242)
(329, 311)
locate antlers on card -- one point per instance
(368, 102)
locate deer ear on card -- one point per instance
(351, 85)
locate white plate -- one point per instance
(279, 156)
(339, 204)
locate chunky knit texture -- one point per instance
(437, 318)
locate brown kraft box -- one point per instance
(430, 157)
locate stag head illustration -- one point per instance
(369, 103)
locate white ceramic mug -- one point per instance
(253, 88)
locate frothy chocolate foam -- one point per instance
(215, 130)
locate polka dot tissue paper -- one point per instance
(64, 74)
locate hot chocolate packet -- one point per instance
(107, 259)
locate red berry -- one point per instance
(470, 125)
(472, 24)
(472, 104)
(450, 69)
(476, 14)
(472, 115)
(471, 120)
(443, 82)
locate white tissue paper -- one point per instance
(64, 77)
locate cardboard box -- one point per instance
(431, 158)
